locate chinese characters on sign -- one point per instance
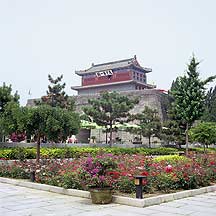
(104, 73)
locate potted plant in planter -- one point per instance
(94, 172)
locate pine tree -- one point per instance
(210, 106)
(149, 123)
(174, 128)
(56, 96)
(189, 96)
(109, 109)
(173, 131)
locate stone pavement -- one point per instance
(16, 201)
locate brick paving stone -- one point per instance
(21, 201)
(171, 210)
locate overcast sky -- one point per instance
(41, 37)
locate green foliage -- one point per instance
(13, 171)
(14, 118)
(69, 180)
(204, 133)
(77, 152)
(210, 106)
(52, 122)
(126, 185)
(17, 153)
(149, 123)
(200, 150)
(189, 95)
(164, 182)
(173, 131)
(171, 159)
(109, 109)
(6, 96)
(56, 96)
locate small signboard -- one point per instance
(104, 73)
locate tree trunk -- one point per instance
(186, 138)
(111, 131)
(140, 137)
(149, 138)
(38, 148)
(106, 136)
(204, 148)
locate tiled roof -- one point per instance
(112, 65)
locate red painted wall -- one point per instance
(116, 77)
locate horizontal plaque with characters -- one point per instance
(104, 73)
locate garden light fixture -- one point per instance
(139, 183)
(32, 176)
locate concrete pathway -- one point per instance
(16, 201)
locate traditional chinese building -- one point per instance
(128, 78)
(123, 75)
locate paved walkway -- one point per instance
(16, 201)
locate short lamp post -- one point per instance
(139, 183)
(32, 175)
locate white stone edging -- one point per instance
(116, 199)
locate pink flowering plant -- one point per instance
(106, 170)
(94, 171)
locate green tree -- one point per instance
(14, 118)
(149, 124)
(54, 123)
(109, 109)
(204, 133)
(56, 96)
(189, 96)
(7, 96)
(210, 106)
(172, 131)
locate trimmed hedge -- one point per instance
(171, 159)
(201, 150)
(76, 152)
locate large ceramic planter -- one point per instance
(101, 195)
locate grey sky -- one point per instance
(60, 36)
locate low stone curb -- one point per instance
(116, 199)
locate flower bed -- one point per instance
(118, 171)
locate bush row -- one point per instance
(76, 152)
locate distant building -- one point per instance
(123, 75)
(126, 77)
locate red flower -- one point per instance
(168, 168)
(145, 173)
(114, 174)
(185, 174)
(144, 182)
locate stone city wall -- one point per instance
(149, 97)
(152, 98)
